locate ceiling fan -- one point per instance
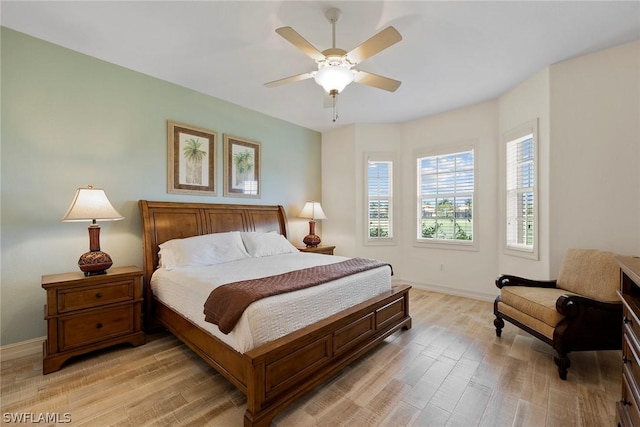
(335, 66)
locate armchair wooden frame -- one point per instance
(587, 325)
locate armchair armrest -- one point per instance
(573, 305)
(509, 280)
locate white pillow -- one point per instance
(266, 244)
(208, 249)
(164, 257)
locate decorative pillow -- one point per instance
(266, 244)
(208, 249)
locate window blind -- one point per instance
(520, 197)
(380, 199)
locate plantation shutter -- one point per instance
(380, 192)
(520, 189)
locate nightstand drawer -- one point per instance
(76, 299)
(96, 325)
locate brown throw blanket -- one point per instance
(226, 303)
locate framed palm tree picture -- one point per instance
(191, 155)
(241, 167)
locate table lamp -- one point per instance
(91, 204)
(314, 211)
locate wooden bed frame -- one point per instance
(273, 375)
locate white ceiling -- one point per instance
(453, 53)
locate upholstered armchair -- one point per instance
(579, 311)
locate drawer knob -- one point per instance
(626, 320)
(98, 295)
(625, 402)
(99, 325)
(625, 359)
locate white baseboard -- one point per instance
(450, 291)
(22, 348)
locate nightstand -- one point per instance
(320, 249)
(87, 313)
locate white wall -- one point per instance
(339, 204)
(528, 101)
(588, 113)
(343, 151)
(343, 170)
(458, 271)
(595, 152)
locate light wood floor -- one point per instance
(449, 369)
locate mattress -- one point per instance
(185, 289)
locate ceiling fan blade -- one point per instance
(376, 81)
(385, 38)
(291, 79)
(298, 41)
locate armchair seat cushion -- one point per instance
(526, 320)
(537, 303)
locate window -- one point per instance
(521, 198)
(379, 183)
(445, 198)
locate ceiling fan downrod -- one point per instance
(333, 15)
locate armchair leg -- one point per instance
(563, 363)
(499, 324)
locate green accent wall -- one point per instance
(69, 120)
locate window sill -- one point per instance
(460, 245)
(380, 242)
(525, 253)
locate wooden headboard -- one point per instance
(162, 221)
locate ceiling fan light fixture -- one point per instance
(334, 77)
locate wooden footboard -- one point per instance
(276, 374)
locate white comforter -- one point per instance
(185, 289)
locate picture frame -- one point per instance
(241, 167)
(191, 159)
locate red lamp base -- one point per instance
(311, 240)
(94, 263)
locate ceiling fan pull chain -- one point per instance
(334, 103)
(335, 108)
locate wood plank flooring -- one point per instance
(448, 370)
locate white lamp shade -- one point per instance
(334, 77)
(312, 210)
(91, 204)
